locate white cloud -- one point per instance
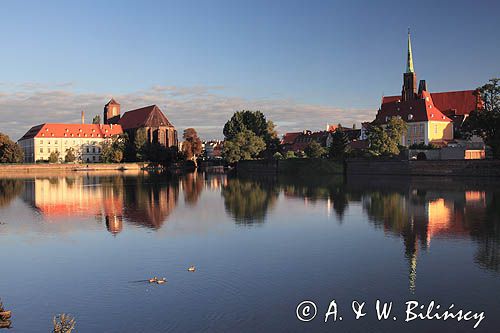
(204, 108)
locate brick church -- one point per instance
(430, 117)
(158, 127)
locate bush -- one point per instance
(278, 156)
(290, 154)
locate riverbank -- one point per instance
(305, 167)
(58, 168)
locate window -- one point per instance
(93, 150)
(88, 150)
(41, 150)
(48, 142)
(93, 158)
(55, 142)
(422, 129)
(435, 129)
(48, 150)
(410, 116)
(41, 141)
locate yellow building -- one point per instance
(430, 117)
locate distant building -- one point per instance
(298, 141)
(213, 149)
(158, 128)
(84, 139)
(430, 117)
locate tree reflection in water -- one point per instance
(10, 189)
(248, 201)
(192, 186)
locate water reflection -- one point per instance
(9, 189)
(249, 201)
(415, 210)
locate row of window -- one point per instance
(66, 142)
(94, 150)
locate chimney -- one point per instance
(83, 117)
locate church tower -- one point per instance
(111, 112)
(409, 91)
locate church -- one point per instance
(430, 117)
(158, 128)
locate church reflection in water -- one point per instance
(144, 200)
(416, 210)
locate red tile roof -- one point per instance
(50, 130)
(112, 101)
(289, 138)
(149, 116)
(455, 102)
(420, 109)
(448, 103)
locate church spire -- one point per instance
(409, 61)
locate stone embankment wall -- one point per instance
(37, 168)
(466, 168)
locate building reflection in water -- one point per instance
(419, 216)
(144, 200)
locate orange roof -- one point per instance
(455, 102)
(420, 109)
(50, 130)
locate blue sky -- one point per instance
(304, 62)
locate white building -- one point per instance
(85, 140)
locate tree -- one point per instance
(339, 145)
(192, 145)
(140, 144)
(10, 152)
(290, 154)
(70, 156)
(277, 156)
(96, 120)
(54, 157)
(112, 150)
(314, 150)
(245, 145)
(385, 141)
(256, 122)
(485, 120)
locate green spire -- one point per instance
(409, 62)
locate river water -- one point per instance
(85, 244)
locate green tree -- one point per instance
(70, 156)
(339, 145)
(141, 145)
(246, 145)
(54, 157)
(290, 154)
(314, 150)
(277, 156)
(385, 141)
(112, 150)
(10, 152)
(192, 145)
(485, 121)
(256, 122)
(96, 119)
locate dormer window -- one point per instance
(410, 116)
(387, 118)
(427, 98)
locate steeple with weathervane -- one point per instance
(409, 91)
